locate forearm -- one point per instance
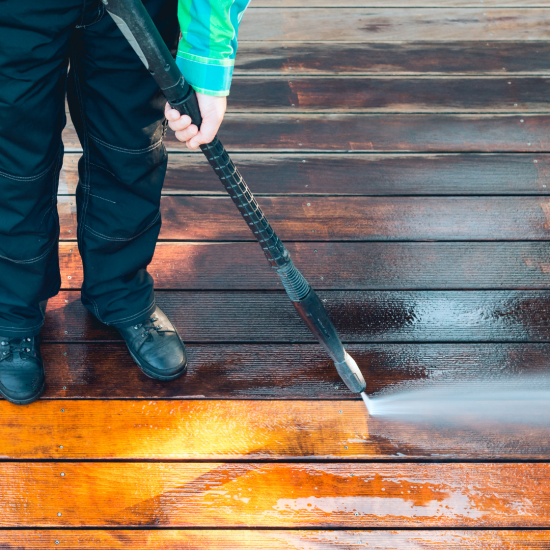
(207, 50)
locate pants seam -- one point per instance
(120, 239)
(128, 151)
(32, 260)
(32, 178)
(12, 329)
(85, 184)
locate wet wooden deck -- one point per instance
(401, 150)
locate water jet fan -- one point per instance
(136, 25)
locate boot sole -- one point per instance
(27, 401)
(155, 376)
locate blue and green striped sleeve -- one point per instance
(207, 49)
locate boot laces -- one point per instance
(8, 346)
(148, 326)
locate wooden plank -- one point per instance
(185, 430)
(384, 24)
(368, 94)
(468, 57)
(257, 430)
(343, 266)
(374, 133)
(279, 371)
(367, 316)
(276, 495)
(219, 539)
(402, 3)
(356, 174)
(347, 218)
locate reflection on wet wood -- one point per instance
(279, 371)
(348, 218)
(219, 539)
(343, 266)
(289, 58)
(359, 316)
(275, 495)
(333, 174)
(389, 132)
(388, 24)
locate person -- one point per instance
(74, 48)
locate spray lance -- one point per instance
(136, 25)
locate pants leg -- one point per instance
(119, 116)
(34, 39)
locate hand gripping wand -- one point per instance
(140, 31)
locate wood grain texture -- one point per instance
(349, 218)
(356, 174)
(255, 431)
(258, 430)
(185, 430)
(385, 24)
(360, 316)
(412, 58)
(402, 3)
(373, 133)
(343, 266)
(219, 539)
(285, 371)
(389, 94)
(275, 495)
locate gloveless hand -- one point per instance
(212, 111)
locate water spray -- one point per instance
(136, 25)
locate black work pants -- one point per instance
(118, 114)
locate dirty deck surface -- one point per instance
(401, 150)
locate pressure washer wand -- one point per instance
(136, 25)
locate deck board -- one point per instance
(351, 496)
(359, 316)
(220, 539)
(342, 265)
(421, 133)
(385, 24)
(346, 218)
(259, 430)
(392, 58)
(356, 174)
(389, 94)
(285, 371)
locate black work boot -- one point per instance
(156, 347)
(22, 378)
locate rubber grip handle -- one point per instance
(190, 106)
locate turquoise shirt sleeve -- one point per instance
(207, 49)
